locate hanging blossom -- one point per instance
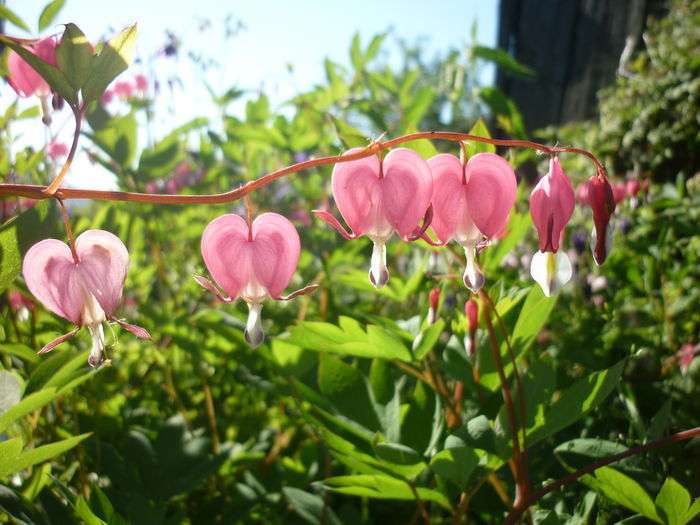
(602, 202)
(84, 287)
(251, 261)
(471, 311)
(551, 206)
(378, 198)
(25, 81)
(471, 201)
(56, 150)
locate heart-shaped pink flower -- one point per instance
(552, 203)
(471, 201)
(252, 262)
(84, 288)
(25, 80)
(379, 197)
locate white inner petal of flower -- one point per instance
(254, 333)
(98, 344)
(473, 276)
(378, 272)
(551, 270)
(93, 314)
(254, 292)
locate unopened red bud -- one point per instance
(434, 300)
(471, 310)
(632, 187)
(602, 203)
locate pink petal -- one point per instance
(490, 192)
(240, 265)
(306, 290)
(24, 80)
(211, 287)
(552, 203)
(407, 188)
(223, 244)
(357, 192)
(138, 331)
(104, 261)
(334, 223)
(449, 197)
(51, 275)
(276, 251)
(59, 340)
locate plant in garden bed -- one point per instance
(394, 406)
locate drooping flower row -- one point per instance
(468, 202)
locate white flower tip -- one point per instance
(551, 270)
(254, 333)
(96, 356)
(473, 277)
(378, 272)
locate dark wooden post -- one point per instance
(575, 48)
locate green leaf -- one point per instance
(21, 351)
(427, 339)
(11, 17)
(576, 401)
(455, 464)
(27, 405)
(397, 453)
(17, 236)
(117, 138)
(374, 46)
(382, 487)
(417, 107)
(115, 57)
(577, 453)
(82, 510)
(310, 507)
(356, 52)
(350, 137)
(673, 502)
(503, 60)
(49, 13)
(622, 490)
(326, 337)
(693, 511)
(74, 56)
(479, 129)
(38, 455)
(53, 76)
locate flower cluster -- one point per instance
(466, 201)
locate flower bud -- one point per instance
(602, 203)
(471, 310)
(434, 300)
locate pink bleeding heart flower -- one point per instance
(686, 355)
(378, 198)
(471, 201)
(619, 192)
(552, 203)
(123, 89)
(84, 287)
(254, 262)
(26, 81)
(602, 202)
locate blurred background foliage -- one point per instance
(326, 422)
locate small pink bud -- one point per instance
(107, 97)
(619, 192)
(685, 356)
(56, 150)
(582, 193)
(123, 89)
(141, 83)
(602, 204)
(87, 291)
(434, 300)
(471, 310)
(632, 187)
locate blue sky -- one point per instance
(280, 49)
